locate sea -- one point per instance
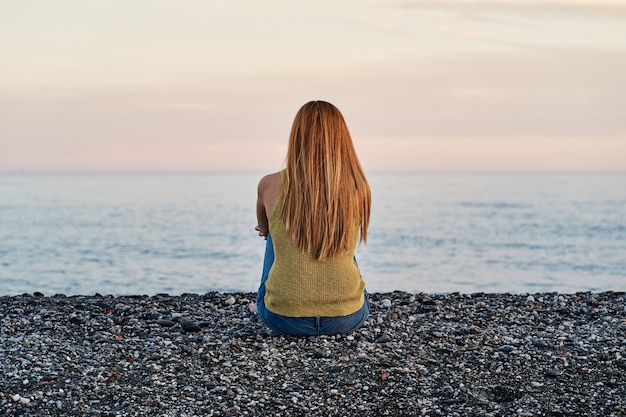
(175, 233)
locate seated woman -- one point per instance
(313, 213)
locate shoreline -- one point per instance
(457, 354)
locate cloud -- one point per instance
(483, 36)
(387, 29)
(612, 8)
(556, 92)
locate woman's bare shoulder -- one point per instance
(270, 181)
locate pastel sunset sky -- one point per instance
(165, 85)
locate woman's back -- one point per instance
(300, 285)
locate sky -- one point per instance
(213, 85)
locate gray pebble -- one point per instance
(384, 338)
(189, 326)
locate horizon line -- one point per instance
(261, 171)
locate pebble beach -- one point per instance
(420, 354)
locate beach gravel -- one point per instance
(454, 354)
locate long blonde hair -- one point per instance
(327, 194)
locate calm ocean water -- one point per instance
(151, 233)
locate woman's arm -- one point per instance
(268, 190)
(261, 215)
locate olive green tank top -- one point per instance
(299, 285)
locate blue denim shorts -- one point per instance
(312, 326)
(304, 326)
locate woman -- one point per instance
(312, 214)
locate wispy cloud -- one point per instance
(614, 8)
(482, 36)
(386, 29)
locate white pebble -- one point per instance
(385, 302)
(350, 338)
(24, 401)
(230, 301)
(16, 397)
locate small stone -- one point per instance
(321, 354)
(165, 323)
(384, 338)
(16, 397)
(553, 373)
(386, 302)
(189, 326)
(230, 301)
(384, 376)
(24, 401)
